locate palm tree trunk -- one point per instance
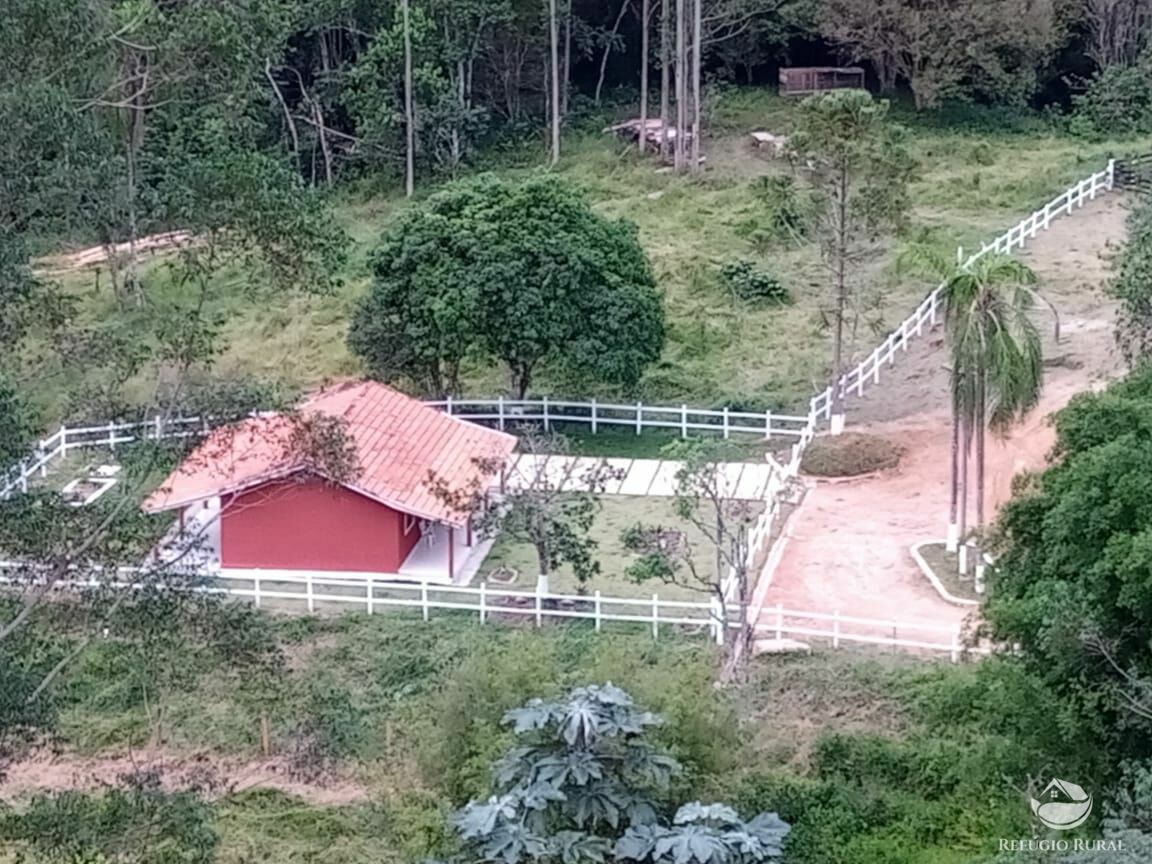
(954, 482)
(965, 446)
(980, 432)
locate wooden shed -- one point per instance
(805, 80)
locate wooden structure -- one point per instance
(805, 80)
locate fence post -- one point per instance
(836, 629)
(655, 616)
(719, 623)
(767, 425)
(42, 456)
(725, 421)
(544, 402)
(639, 416)
(309, 593)
(593, 416)
(779, 621)
(112, 435)
(597, 613)
(1111, 181)
(956, 645)
(483, 600)
(159, 426)
(371, 592)
(959, 254)
(424, 599)
(500, 411)
(683, 421)
(539, 605)
(256, 589)
(23, 476)
(448, 405)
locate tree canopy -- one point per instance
(526, 274)
(1073, 580)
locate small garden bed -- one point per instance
(945, 566)
(619, 512)
(850, 455)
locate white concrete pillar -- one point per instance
(953, 537)
(837, 423)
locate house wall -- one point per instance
(313, 525)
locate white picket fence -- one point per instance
(929, 311)
(314, 591)
(595, 415)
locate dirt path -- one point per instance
(850, 545)
(52, 772)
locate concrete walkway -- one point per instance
(742, 480)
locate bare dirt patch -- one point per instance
(849, 455)
(45, 771)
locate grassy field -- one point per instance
(404, 718)
(969, 187)
(617, 513)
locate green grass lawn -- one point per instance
(721, 350)
(618, 513)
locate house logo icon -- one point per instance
(1062, 805)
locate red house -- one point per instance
(256, 502)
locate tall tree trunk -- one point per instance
(643, 137)
(962, 520)
(409, 112)
(681, 90)
(554, 79)
(608, 48)
(980, 432)
(566, 77)
(665, 75)
(696, 27)
(954, 481)
(836, 408)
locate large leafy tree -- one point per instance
(586, 784)
(860, 170)
(526, 273)
(1072, 584)
(956, 47)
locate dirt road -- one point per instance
(850, 545)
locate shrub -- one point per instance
(785, 212)
(849, 455)
(140, 823)
(749, 282)
(1118, 102)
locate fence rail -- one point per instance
(638, 416)
(929, 311)
(488, 603)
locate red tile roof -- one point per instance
(399, 442)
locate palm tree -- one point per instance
(996, 368)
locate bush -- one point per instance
(784, 213)
(749, 282)
(139, 823)
(849, 455)
(1118, 102)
